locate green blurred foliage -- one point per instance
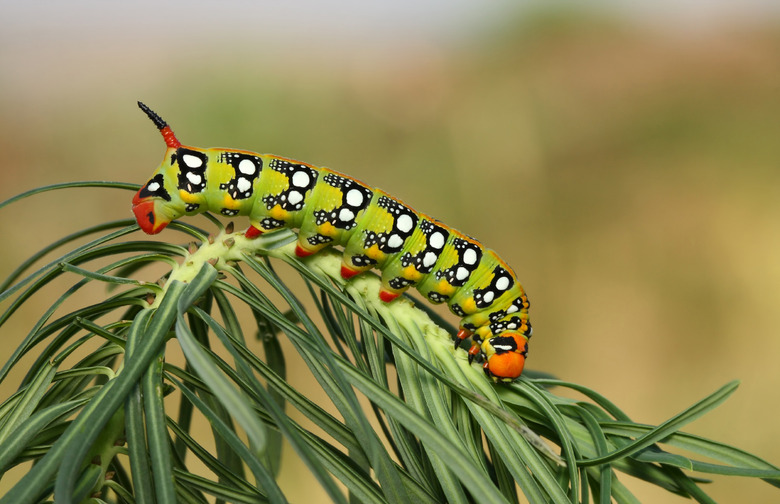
(629, 176)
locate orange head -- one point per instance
(505, 356)
(149, 210)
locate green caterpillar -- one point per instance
(375, 230)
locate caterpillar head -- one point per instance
(505, 356)
(153, 205)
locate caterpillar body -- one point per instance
(374, 229)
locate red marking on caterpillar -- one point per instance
(348, 273)
(387, 296)
(252, 232)
(300, 252)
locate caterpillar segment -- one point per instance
(375, 230)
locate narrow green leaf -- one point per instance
(136, 444)
(93, 275)
(27, 431)
(28, 401)
(70, 185)
(670, 426)
(157, 433)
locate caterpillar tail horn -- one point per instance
(167, 133)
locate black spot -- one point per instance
(435, 297)
(451, 274)
(398, 283)
(479, 294)
(160, 192)
(234, 159)
(503, 344)
(187, 173)
(344, 185)
(268, 224)
(362, 261)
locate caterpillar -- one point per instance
(375, 230)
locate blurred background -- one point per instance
(625, 159)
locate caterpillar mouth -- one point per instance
(149, 221)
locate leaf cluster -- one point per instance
(117, 423)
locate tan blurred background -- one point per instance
(625, 161)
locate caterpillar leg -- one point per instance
(348, 271)
(387, 295)
(462, 334)
(302, 252)
(474, 351)
(252, 232)
(392, 287)
(304, 249)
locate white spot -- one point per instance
(194, 177)
(300, 179)
(429, 259)
(192, 161)
(470, 256)
(346, 215)
(511, 326)
(462, 273)
(437, 240)
(354, 197)
(488, 297)
(246, 167)
(395, 241)
(404, 223)
(512, 309)
(502, 284)
(294, 197)
(244, 185)
(153, 186)
(503, 348)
